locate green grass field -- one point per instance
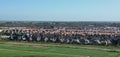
(24, 49)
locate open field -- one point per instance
(24, 49)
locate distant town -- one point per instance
(83, 33)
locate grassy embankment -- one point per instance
(24, 49)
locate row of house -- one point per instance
(63, 35)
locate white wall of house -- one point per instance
(4, 36)
(0, 30)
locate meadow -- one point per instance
(40, 49)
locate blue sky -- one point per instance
(60, 10)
